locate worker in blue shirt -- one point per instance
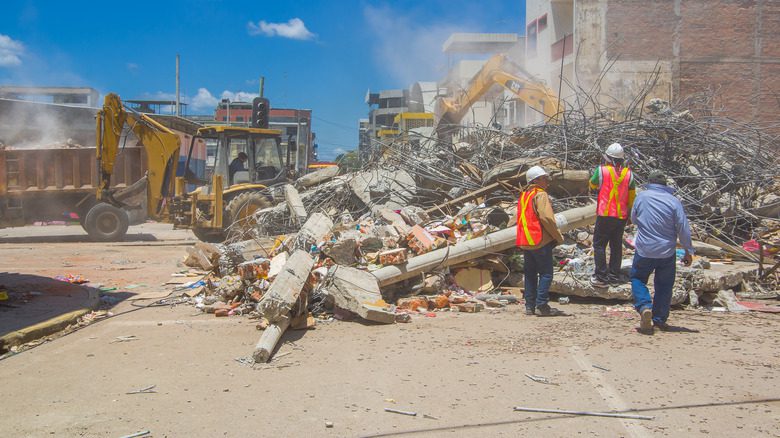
(660, 221)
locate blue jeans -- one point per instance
(538, 267)
(663, 283)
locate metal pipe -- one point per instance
(178, 95)
(588, 413)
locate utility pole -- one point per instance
(178, 105)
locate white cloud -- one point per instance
(203, 101)
(293, 29)
(239, 96)
(10, 51)
(132, 66)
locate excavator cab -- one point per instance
(241, 163)
(242, 156)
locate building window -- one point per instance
(224, 118)
(530, 39)
(541, 23)
(239, 118)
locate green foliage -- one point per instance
(349, 161)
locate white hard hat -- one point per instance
(615, 151)
(534, 172)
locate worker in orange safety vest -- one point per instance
(537, 234)
(616, 191)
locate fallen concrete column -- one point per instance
(470, 249)
(268, 340)
(294, 203)
(320, 176)
(276, 304)
(356, 290)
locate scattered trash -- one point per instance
(125, 339)
(137, 434)
(146, 390)
(540, 379)
(396, 411)
(72, 279)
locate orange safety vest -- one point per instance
(529, 229)
(613, 194)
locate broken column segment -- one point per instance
(470, 249)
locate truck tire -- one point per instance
(239, 213)
(106, 223)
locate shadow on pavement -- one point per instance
(77, 238)
(34, 299)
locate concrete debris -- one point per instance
(317, 177)
(431, 228)
(294, 203)
(358, 292)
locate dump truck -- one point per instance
(58, 182)
(47, 164)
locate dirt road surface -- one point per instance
(467, 371)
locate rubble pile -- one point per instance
(428, 225)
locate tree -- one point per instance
(348, 161)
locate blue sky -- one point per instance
(321, 55)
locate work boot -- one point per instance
(529, 311)
(616, 280)
(646, 322)
(597, 282)
(546, 310)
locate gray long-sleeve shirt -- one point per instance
(660, 220)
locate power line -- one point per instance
(335, 124)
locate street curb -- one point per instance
(50, 326)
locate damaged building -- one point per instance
(719, 51)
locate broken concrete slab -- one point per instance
(342, 251)
(315, 228)
(317, 177)
(474, 280)
(202, 256)
(718, 277)
(358, 292)
(295, 205)
(394, 189)
(727, 299)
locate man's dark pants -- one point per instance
(663, 283)
(538, 268)
(609, 230)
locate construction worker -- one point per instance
(660, 221)
(537, 234)
(237, 165)
(616, 192)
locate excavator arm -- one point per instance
(496, 71)
(160, 143)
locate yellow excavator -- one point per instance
(497, 71)
(222, 202)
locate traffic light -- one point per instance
(260, 110)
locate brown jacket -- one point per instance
(543, 209)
